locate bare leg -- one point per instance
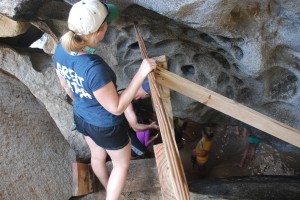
(98, 159)
(120, 159)
(245, 155)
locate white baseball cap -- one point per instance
(86, 16)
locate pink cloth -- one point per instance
(144, 137)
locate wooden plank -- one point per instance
(228, 106)
(164, 172)
(165, 92)
(82, 179)
(178, 180)
(179, 184)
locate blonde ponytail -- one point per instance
(72, 42)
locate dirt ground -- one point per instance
(227, 151)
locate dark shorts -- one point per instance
(110, 138)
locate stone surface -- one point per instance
(11, 28)
(21, 9)
(23, 40)
(36, 160)
(35, 70)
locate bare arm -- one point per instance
(133, 122)
(65, 85)
(117, 104)
(152, 139)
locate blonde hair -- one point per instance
(71, 41)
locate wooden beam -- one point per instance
(164, 172)
(160, 154)
(179, 184)
(83, 179)
(228, 106)
(165, 92)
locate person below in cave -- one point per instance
(200, 153)
(251, 145)
(142, 125)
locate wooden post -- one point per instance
(83, 179)
(160, 154)
(165, 92)
(164, 172)
(180, 187)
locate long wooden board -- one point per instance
(228, 106)
(164, 172)
(166, 180)
(178, 181)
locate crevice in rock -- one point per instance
(188, 70)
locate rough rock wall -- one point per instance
(34, 69)
(36, 161)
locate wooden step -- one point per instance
(142, 176)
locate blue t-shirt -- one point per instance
(86, 74)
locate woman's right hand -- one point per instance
(147, 66)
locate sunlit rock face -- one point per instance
(247, 51)
(35, 158)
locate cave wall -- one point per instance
(36, 160)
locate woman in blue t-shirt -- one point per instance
(91, 83)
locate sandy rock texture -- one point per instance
(35, 158)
